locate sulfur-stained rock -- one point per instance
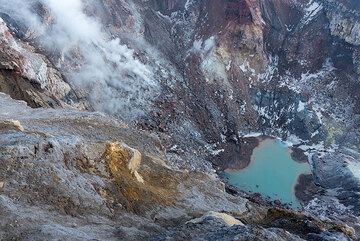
(140, 191)
(120, 155)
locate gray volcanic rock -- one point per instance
(60, 177)
(65, 175)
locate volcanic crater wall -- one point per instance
(200, 74)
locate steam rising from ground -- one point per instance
(104, 69)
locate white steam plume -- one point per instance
(105, 71)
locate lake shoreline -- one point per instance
(247, 146)
(303, 187)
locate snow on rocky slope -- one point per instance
(191, 79)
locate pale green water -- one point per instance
(272, 172)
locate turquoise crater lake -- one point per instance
(272, 172)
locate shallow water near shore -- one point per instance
(272, 173)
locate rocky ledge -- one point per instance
(73, 175)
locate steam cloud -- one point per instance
(104, 69)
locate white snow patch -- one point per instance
(251, 134)
(314, 133)
(217, 152)
(228, 66)
(209, 44)
(318, 111)
(243, 68)
(354, 168)
(203, 47)
(271, 69)
(311, 10)
(223, 138)
(188, 4)
(301, 106)
(294, 140)
(197, 45)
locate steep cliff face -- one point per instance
(202, 76)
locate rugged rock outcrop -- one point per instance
(27, 75)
